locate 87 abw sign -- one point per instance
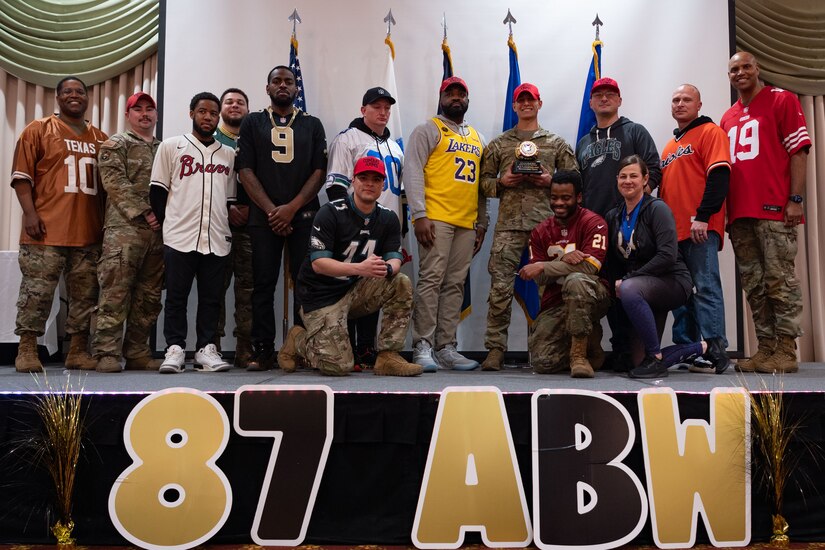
(173, 495)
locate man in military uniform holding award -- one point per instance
(517, 168)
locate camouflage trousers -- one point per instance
(239, 264)
(505, 255)
(765, 251)
(130, 273)
(325, 344)
(585, 302)
(41, 267)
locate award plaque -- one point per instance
(527, 161)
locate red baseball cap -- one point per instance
(447, 82)
(606, 83)
(369, 164)
(132, 101)
(529, 88)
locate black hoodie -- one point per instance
(599, 154)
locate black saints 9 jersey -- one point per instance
(282, 152)
(341, 232)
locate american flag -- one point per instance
(295, 65)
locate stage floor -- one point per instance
(810, 378)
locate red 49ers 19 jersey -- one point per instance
(763, 137)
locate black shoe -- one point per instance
(650, 367)
(717, 354)
(618, 361)
(365, 357)
(262, 358)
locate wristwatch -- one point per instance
(795, 198)
(389, 270)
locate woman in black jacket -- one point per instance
(647, 271)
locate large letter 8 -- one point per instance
(173, 495)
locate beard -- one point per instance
(233, 121)
(196, 129)
(454, 110)
(282, 101)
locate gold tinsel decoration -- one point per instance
(56, 448)
(773, 432)
(780, 537)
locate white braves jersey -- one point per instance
(200, 181)
(352, 144)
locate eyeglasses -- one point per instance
(604, 95)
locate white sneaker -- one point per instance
(207, 359)
(423, 355)
(448, 358)
(174, 362)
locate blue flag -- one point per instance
(295, 65)
(587, 119)
(510, 118)
(526, 292)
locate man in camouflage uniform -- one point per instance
(234, 107)
(54, 178)
(352, 270)
(130, 271)
(566, 254)
(769, 145)
(524, 202)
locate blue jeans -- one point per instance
(704, 315)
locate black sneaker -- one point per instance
(262, 358)
(650, 367)
(717, 354)
(365, 357)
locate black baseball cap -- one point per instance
(374, 94)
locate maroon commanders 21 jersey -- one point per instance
(549, 241)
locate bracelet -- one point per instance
(389, 269)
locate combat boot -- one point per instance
(494, 361)
(595, 353)
(766, 348)
(78, 356)
(389, 363)
(243, 351)
(783, 359)
(145, 362)
(27, 359)
(108, 363)
(288, 354)
(579, 365)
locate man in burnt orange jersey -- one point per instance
(695, 179)
(54, 174)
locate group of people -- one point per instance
(113, 215)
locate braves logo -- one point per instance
(188, 166)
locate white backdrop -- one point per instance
(649, 48)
